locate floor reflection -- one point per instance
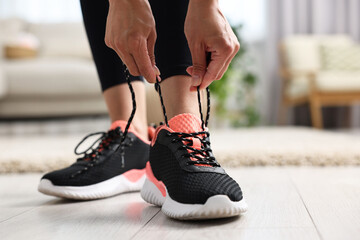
(128, 208)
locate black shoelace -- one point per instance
(107, 138)
(201, 155)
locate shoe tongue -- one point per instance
(121, 124)
(186, 123)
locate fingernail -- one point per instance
(157, 71)
(193, 89)
(158, 78)
(196, 80)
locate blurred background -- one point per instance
(290, 101)
(47, 71)
(299, 65)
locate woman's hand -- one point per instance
(207, 31)
(130, 31)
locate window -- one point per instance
(250, 13)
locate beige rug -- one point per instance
(243, 147)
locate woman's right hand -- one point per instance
(130, 31)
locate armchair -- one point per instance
(309, 76)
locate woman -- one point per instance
(192, 44)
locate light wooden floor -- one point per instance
(284, 203)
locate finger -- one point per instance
(157, 71)
(193, 89)
(213, 70)
(224, 69)
(189, 70)
(208, 80)
(151, 47)
(205, 84)
(141, 56)
(199, 64)
(222, 51)
(129, 61)
(227, 62)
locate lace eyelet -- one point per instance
(168, 134)
(173, 140)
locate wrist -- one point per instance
(199, 6)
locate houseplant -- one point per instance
(239, 84)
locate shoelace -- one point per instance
(105, 140)
(201, 155)
(106, 136)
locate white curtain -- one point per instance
(286, 17)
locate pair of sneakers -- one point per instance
(176, 170)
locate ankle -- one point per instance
(141, 129)
(177, 96)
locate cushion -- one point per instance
(302, 51)
(338, 81)
(337, 58)
(61, 39)
(51, 77)
(328, 81)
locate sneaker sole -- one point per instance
(218, 206)
(129, 181)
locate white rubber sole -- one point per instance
(219, 206)
(110, 187)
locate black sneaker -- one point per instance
(184, 177)
(103, 172)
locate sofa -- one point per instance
(61, 80)
(321, 70)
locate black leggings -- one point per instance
(171, 49)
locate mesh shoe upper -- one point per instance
(107, 162)
(188, 183)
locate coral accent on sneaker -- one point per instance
(134, 175)
(158, 129)
(151, 133)
(122, 125)
(159, 184)
(196, 143)
(186, 123)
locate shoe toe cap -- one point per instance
(225, 185)
(62, 177)
(198, 188)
